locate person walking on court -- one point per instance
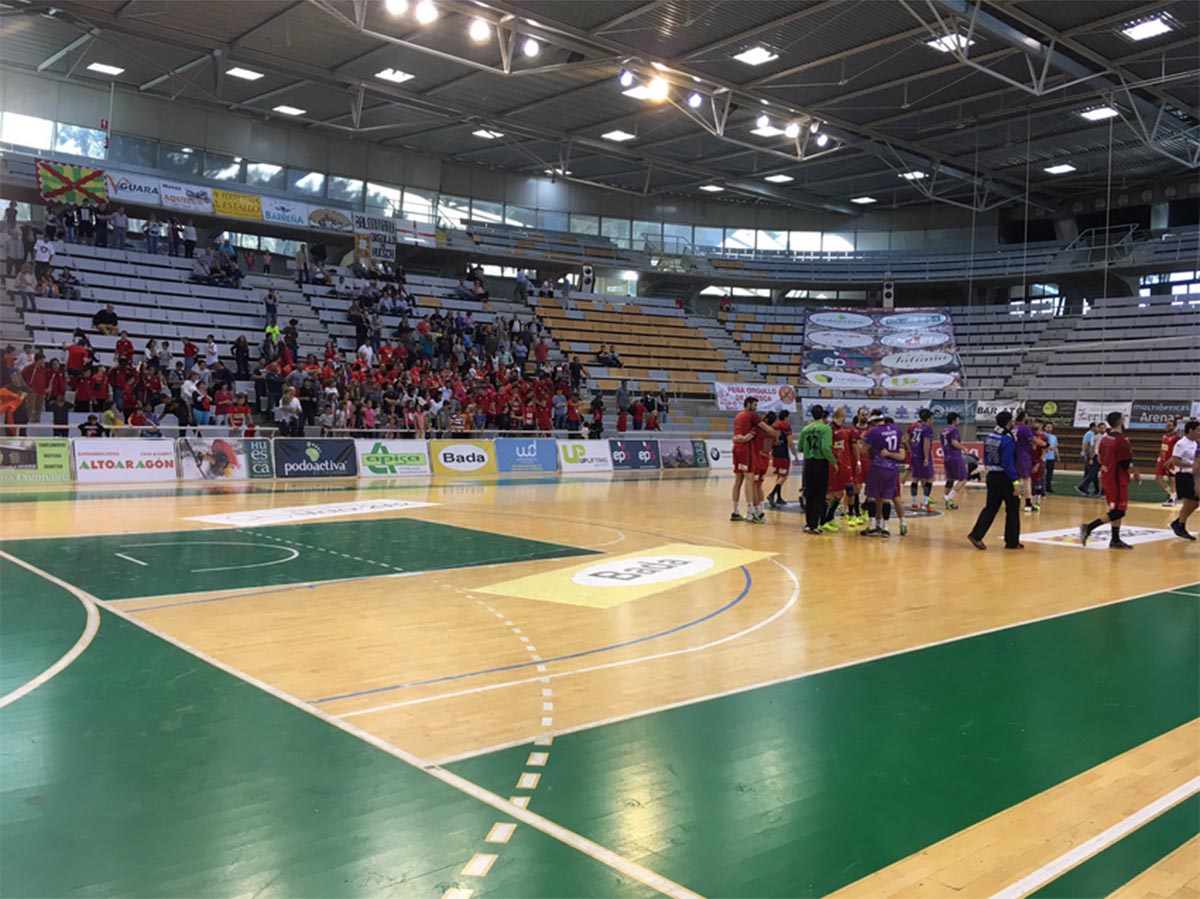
(1050, 458)
(1116, 467)
(1003, 484)
(816, 444)
(1187, 467)
(1091, 469)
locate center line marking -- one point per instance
(500, 833)
(479, 865)
(528, 781)
(131, 559)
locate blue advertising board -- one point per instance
(297, 458)
(531, 454)
(634, 454)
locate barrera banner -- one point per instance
(285, 212)
(771, 397)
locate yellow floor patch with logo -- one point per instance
(609, 581)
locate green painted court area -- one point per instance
(801, 788)
(112, 784)
(168, 563)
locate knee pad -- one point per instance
(927, 488)
(1116, 514)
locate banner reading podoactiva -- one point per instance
(34, 461)
(881, 353)
(296, 458)
(771, 397)
(224, 458)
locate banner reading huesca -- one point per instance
(878, 353)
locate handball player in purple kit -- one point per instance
(882, 442)
(952, 457)
(1023, 436)
(922, 460)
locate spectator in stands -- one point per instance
(69, 284)
(523, 286)
(623, 396)
(77, 360)
(174, 229)
(152, 231)
(86, 217)
(50, 223)
(241, 356)
(726, 303)
(119, 222)
(14, 252)
(37, 379)
(166, 359)
(289, 414)
(48, 288)
(266, 262)
(189, 239)
(190, 351)
(105, 321)
(211, 354)
(576, 369)
(43, 256)
(92, 428)
(150, 353)
(547, 288)
(302, 270)
(637, 412)
(60, 412)
(10, 217)
(102, 217)
(664, 406)
(124, 351)
(271, 306)
(25, 288)
(111, 419)
(462, 292)
(69, 222)
(201, 273)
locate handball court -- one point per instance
(587, 687)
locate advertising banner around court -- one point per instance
(285, 212)
(1147, 415)
(224, 458)
(463, 457)
(392, 458)
(535, 454)
(185, 197)
(124, 187)
(987, 410)
(720, 455)
(378, 233)
(771, 397)
(297, 458)
(584, 455)
(34, 461)
(237, 205)
(1060, 413)
(683, 453)
(326, 218)
(1088, 411)
(634, 454)
(120, 459)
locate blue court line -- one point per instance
(573, 655)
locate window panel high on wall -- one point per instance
(179, 160)
(585, 224)
(222, 167)
(266, 174)
(310, 184)
(453, 212)
(345, 190)
(520, 216)
(616, 230)
(419, 204)
(26, 131)
(139, 151)
(79, 141)
(383, 199)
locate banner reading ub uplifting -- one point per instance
(242, 206)
(771, 397)
(584, 455)
(1088, 411)
(1147, 415)
(297, 458)
(379, 232)
(533, 454)
(120, 459)
(633, 454)
(285, 212)
(881, 352)
(128, 188)
(720, 455)
(392, 458)
(224, 458)
(185, 197)
(455, 457)
(26, 461)
(683, 453)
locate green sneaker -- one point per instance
(903, 530)
(830, 528)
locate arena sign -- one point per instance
(526, 455)
(392, 458)
(1088, 411)
(1147, 415)
(1060, 413)
(224, 458)
(630, 455)
(683, 453)
(1100, 537)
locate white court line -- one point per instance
(552, 829)
(1088, 848)
(761, 684)
(294, 554)
(85, 639)
(132, 559)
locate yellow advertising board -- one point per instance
(242, 206)
(457, 457)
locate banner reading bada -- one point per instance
(296, 458)
(633, 454)
(584, 455)
(392, 458)
(119, 459)
(224, 458)
(25, 461)
(463, 457)
(533, 454)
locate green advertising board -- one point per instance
(27, 460)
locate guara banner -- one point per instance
(771, 397)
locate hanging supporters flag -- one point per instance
(59, 182)
(375, 236)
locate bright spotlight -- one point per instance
(426, 12)
(695, 99)
(763, 120)
(792, 131)
(396, 7)
(531, 48)
(625, 79)
(814, 126)
(658, 89)
(480, 31)
(822, 139)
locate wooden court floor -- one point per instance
(588, 687)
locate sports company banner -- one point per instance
(452, 457)
(584, 455)
(1147, 415)
(628, 455)
(683, 453)
(1088, 411)
(124, 187)
(720, 455)
(1060, 413)
(224, 458)
(298, 458)
(34, 461)
(285, 212)
(392, 458)
(534, 454)
(987, 410)
(120, 459)
(376, 235)
(881, 352)
(185, 197)
(237, 205)
(771, 397)
(61, 182)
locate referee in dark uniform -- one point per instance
(1003, 486)
(816, 443)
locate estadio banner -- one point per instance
(237, 205)
(452, 457)
(185, 197)
(584, 455)
(1088, 411)
(771, 397)
(298, 458)
(114, 460)
(224, 458)
(392, 458)
(285, 212)
(629, 455)
(720, 455)
(33, 461)
(1147, 415)
(531, 455)
(683, 453)
(124, 187)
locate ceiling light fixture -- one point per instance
(756, 55)
(104, 69)
(618, 136)
(289, 110)
(1099, 113)
(531, 48)
(767, 131)
(426, 13)
(779, 179)
(625, 79)
(1146, 29)
(487, 134)
(480, 30)
(711, 188)
(244, 74)
(660, 67)
(394, 75)
(822, 139)
(814, 126)
(695, 98)
(913, 176)
(1061, 169)
(396, 7)
(863, 201)
(553, 172)
(948, 43)
(763, 121)
(658, 89)
(792, 130)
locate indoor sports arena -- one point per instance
(600, 448)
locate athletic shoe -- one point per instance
(1084, 534)
(1029, 510)
(781, 502)
(809, 530)
(1180, 531)
(1169, 503)
(976, 542)
(1036, 507)
(883, 532)
(1119, 544)
(758, 518)
(771, 503)
(914, 508)
(1081, 491)
(951, 504)
(829, 528)
(903, 529)
(1018, 546)
(870, 532)
(736, 516)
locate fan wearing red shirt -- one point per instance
(638, 409)
(77, 357)
(83, 395)
(574, 418)
(1163, 476)
(125, 348)
(747, 425)
(622, 421)
(1116, 467)
(99, 389)
(189, 356)
(239, 416)
(545, 417)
